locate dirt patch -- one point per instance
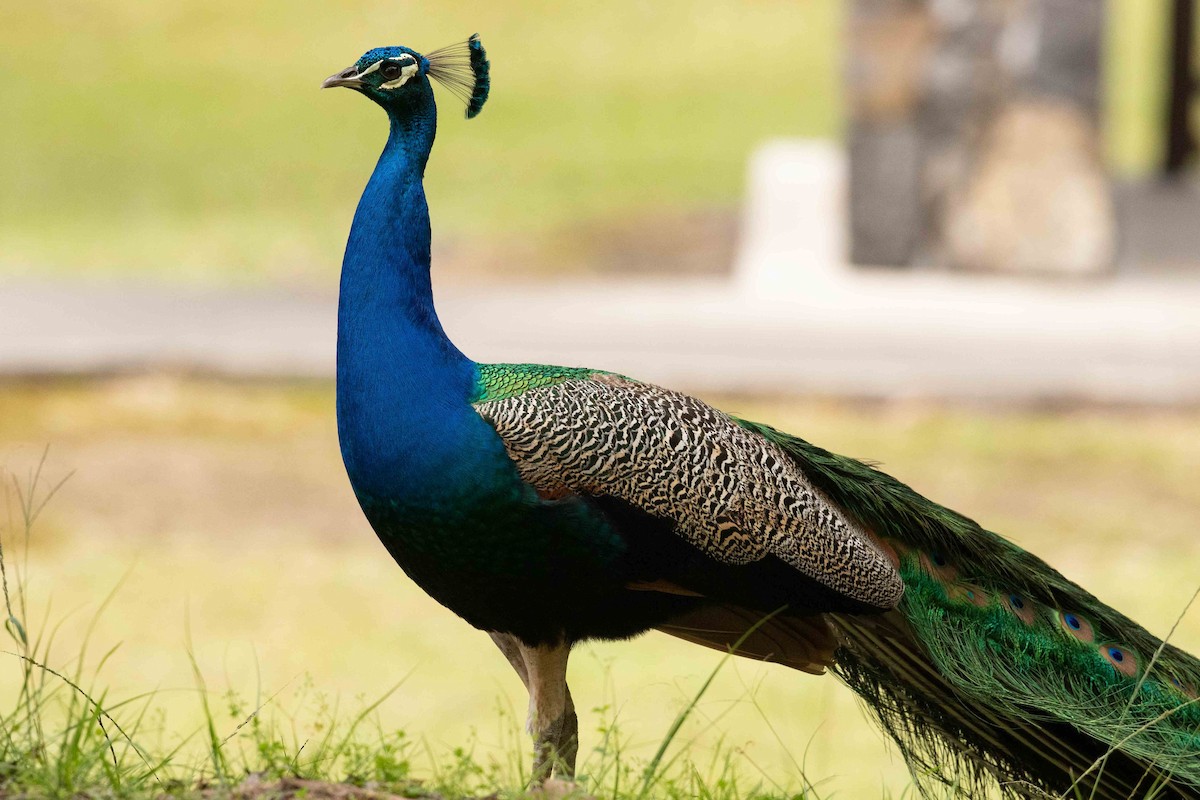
(255, 788)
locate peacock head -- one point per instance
(397, 78)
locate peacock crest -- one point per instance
(463, 68)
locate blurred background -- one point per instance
(958, 237)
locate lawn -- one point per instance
(187, 140)
(222, 509)
(190, 136)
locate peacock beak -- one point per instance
(347, 77)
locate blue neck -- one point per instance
(402, 386)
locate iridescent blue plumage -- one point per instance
(378, 53)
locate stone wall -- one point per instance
(974, 135)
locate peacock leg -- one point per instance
(552, 719)
(567, 746)
(511, 648)
(555, 732)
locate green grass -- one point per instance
(225, 505)
(188, 140)
(64, 735)
(190, 136)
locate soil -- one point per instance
(255, 788)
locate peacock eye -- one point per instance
(391, 70)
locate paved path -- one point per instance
(865, 333)
(794, 319)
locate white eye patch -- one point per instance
(408, 68)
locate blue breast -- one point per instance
(406, 428)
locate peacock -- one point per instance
(551, 505)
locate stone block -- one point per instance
(974, 135)
(883, 167)
(1037, 200)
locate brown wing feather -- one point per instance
(805, 643)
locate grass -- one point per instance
(225, 506)
(187, 140)
(192, 134)
(65, 736)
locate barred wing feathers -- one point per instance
(731, 493)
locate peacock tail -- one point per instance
(995, 668)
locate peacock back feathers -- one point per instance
(504, 381)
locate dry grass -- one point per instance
(227, 504)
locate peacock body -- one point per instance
(550, 505)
